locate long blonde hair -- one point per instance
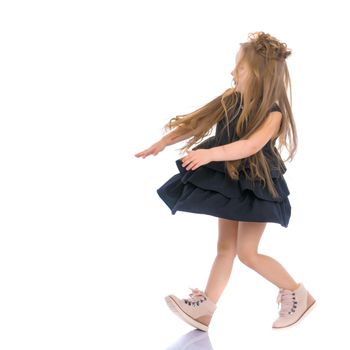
(269, 83)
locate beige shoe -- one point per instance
(294, 306)
(196, 310)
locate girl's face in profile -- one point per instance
(240, 73)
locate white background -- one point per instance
(87, 248)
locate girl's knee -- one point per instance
(226, 250)
(248, 258)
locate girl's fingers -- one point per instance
(152, 150)
(195, 166)
(141, 154)
(186, 162)
(188, 165)
(149, 152)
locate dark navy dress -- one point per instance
(209, 189)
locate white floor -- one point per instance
(98, 287)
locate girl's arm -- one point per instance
(167, 140)
(170, 139)
(245, 148)
(236, 150)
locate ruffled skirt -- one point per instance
(207, 190)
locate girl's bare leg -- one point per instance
(249, 234)
(222, 266)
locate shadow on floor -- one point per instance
(194, 340)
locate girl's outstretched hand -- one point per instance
(154, 149)
(195, 159)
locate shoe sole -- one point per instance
(306, 312)
(175, 308)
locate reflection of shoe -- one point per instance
(193, 340)
(294, 306)
(196, 310)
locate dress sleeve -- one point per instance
(275, 108)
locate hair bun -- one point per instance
(268, 46)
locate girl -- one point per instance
(237, 176)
